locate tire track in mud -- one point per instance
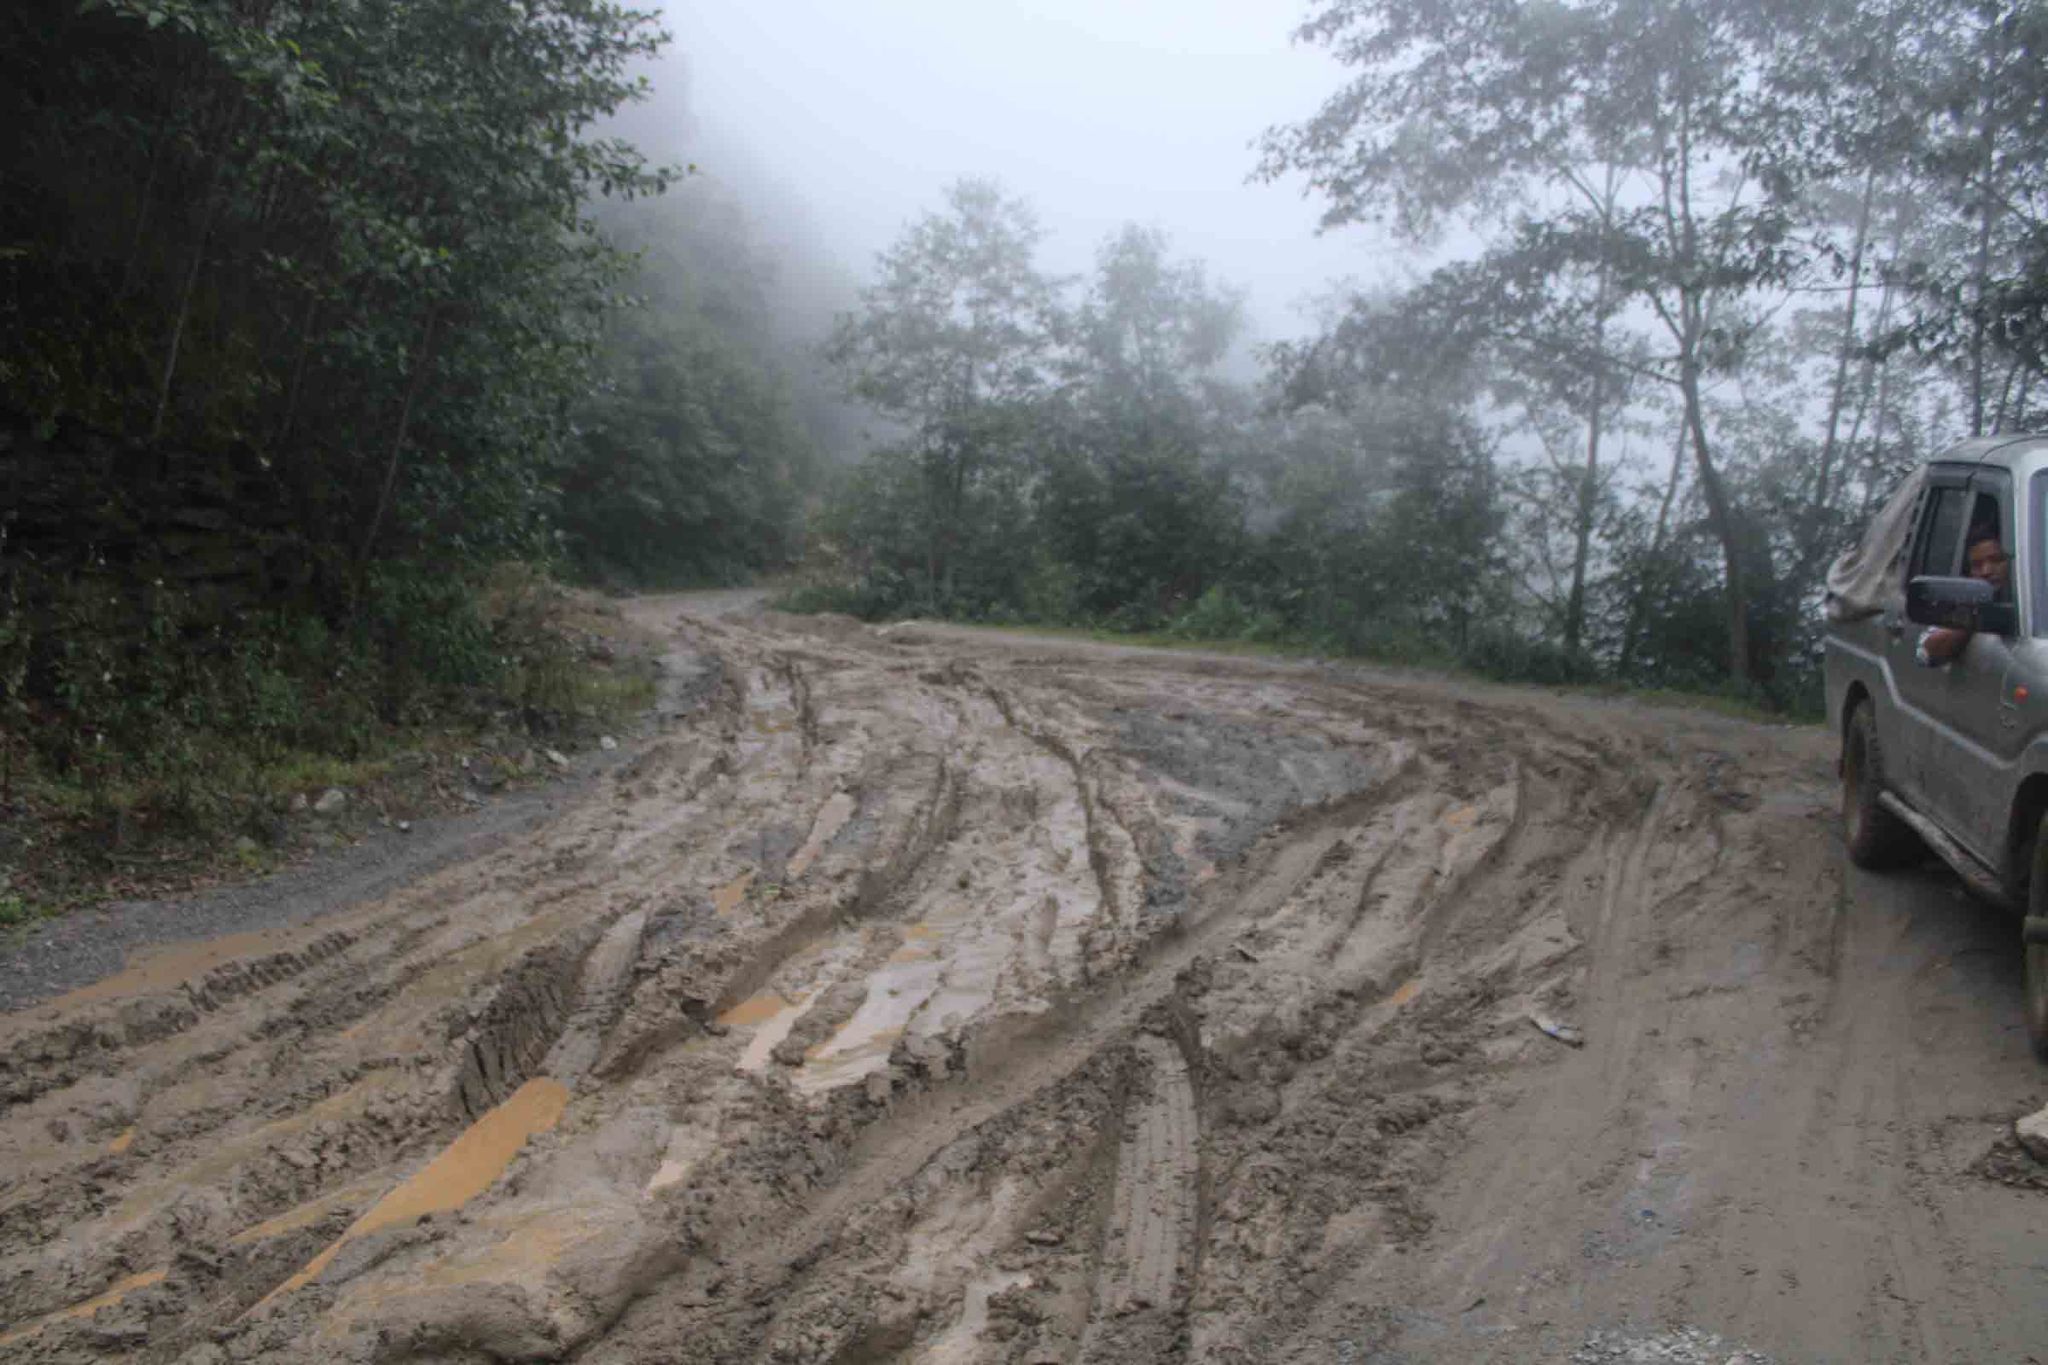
(1011, 1069)
(511, 1031)
(1112, 852)
(1148, 1247)
(1196, 968)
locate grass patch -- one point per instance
(152, 765)
(15, 910)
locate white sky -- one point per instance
(1097, 114)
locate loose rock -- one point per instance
(2032, 1131)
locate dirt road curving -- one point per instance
(939, 996)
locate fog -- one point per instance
(838, 123)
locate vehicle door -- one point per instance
(1973, 736)
(1936, 548)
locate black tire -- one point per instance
(2036, 954)
(1876, 837)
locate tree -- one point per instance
(343, 244)
(956, 341)
(688, 460)
(1134, 492)
(1523, 112)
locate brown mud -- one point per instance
(940, 996)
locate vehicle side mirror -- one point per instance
(1959, 604)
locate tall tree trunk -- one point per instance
(1639, 605)
(405, 411)
(297, 386)
(1582, 542)
(1838, 394)
(1582, 548)
(1689, 331)
(177, 340)
(208, 216)
(1880, 409)
(935, 522)
(1589, 479)
(1987, 211)
(1998, 418)
(136, 237)
(1721, 517)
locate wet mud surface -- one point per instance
(936, 996)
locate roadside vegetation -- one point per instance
(324, 347)
(1739, 265)
(331, 336)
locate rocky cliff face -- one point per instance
(222, 529)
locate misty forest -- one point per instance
(333, 336)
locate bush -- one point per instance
(1216, 615)
(1507, 657)
(135, 703)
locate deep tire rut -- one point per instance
(1148, 1247)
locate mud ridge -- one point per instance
(37, 1061)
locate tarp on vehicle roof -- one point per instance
(1864, 578)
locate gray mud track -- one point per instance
(938, 996)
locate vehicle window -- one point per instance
(1941, 543)
(1987, 512)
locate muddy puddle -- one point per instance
(471, 1165)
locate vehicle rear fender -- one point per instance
(2028, 805)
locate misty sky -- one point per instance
(1097, 112)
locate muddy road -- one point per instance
(932, 996)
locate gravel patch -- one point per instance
(1684, 1346)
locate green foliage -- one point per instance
(16, 909)
(688, 460)
(297, 305)
(1218, 614)
(956, 342)
(349, 237)
(191, 731)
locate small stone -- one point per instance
(607, 743)
(331, 802)
(555, 757)
(2032, 1131)
(299, 803)
(1040, 1237)
(405, 826)
(1564, 1033)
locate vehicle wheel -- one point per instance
(1876, 837)
(2036, 953)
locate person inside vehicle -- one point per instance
(1988, 561)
